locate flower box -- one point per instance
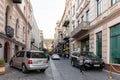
(2, 67)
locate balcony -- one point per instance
(17, 1)
(80, 29)
(9, 31)
(66, 38)
(66, 23)
(32, 40)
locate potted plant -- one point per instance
(2, 66)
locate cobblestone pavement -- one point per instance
(15, 74)
(68, 72)
(58, 70)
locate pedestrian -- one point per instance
(81, 63)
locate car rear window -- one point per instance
(36, 55)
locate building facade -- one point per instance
(47, 43)
(35, 35)
(96, 27)
(66, 27)
(41, 40)
(14, 27)
(58, 37)
(63, 31)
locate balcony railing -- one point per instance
(32, 40)
(81, 28)
(9, 31)
(66, 38)
(66, 23)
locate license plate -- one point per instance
(96, 65)
(40, 62)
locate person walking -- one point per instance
(81, 63)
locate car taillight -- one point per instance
(30, 62)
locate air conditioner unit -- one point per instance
(17, 1)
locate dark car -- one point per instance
(90, 60)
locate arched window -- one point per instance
(16, 28)
(6, 16)
(24, 11)
(23, 33)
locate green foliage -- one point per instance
(2, 61)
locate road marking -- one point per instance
(56, 74)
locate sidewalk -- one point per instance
(115, 76)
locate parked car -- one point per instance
(30, 60)
(55, 57)
(90, 60)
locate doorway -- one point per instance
(6, 51)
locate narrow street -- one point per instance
(58, 70)
(67, 72)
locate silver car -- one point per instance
(30, 60)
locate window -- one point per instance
(20, 54)
(69, 12)
(23, 33)
(37, 55)
(99, 44)
(28, 54)
(113, 1)
(78, 23)
(73, 10)
(82, 18)
(17, 26)
(87, 15)
(24, 9)
(73, 47)
(78, 3)
(73, 27)
(115, 44)
(99, 7)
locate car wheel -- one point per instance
(11, 64)
(42, 70)
(72, 63)
(24, 69)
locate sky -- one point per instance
(47, 13)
